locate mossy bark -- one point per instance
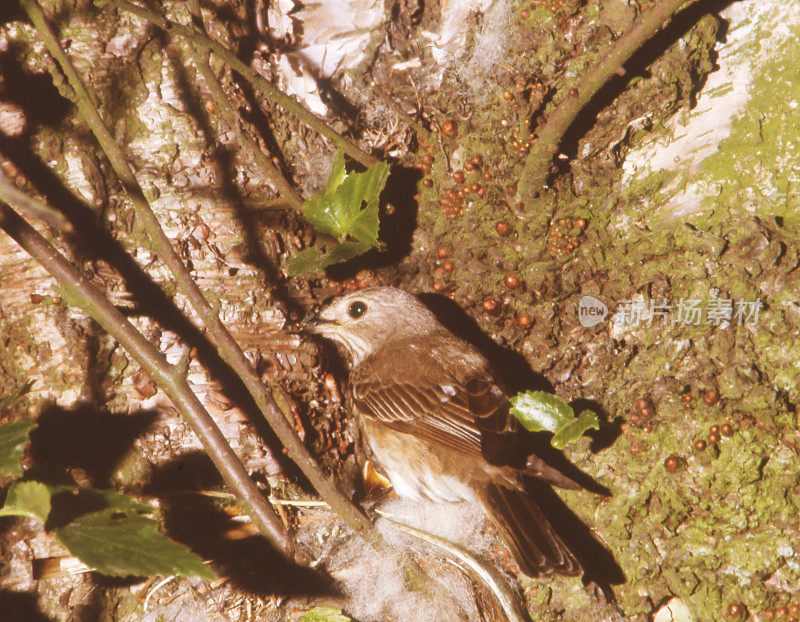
(722, 529)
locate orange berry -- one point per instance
(711, 397)
(673, 463)
(491, 306)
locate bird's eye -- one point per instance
(356, 309)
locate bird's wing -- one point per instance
(456, 405)
(455, 414)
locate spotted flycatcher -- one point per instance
(436, 419)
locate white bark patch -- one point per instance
(756, 29)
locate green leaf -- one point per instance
(121, 539)
(336, 177)
(16, 394)
(325, 614)
(346, 207)
(337, 208)
(29, 499)
(575, 429)
(538, 411)
(13, 438)
(311, 260)
(366, 187)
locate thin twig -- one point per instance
(217, 494)
(274, 94)
(200, 57)
(274, 404)
(585, 86)
(10, 193)
(79, 291)
(465, 560)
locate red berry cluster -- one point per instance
(565, 235)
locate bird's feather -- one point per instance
(419, 395)
(461, 407)
(527, 532)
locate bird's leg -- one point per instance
(377, 487)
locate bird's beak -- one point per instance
(314, 324)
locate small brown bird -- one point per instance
(437, 420)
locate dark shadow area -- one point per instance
(190, 471)
(398, 220)
(518, 376)
(510, 366)
(598, 563)
(250, 562)
(92, 241)
(10, 10)
(68, 505)
(610, 429)
(96, 386)
(201, 523)
(637, 67)
(336, 102)
(34, 93)
(84, 438)
(226, 13)
(399, 214)
(20, 607)
(538, 443)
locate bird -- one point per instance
(435, 418)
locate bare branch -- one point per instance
(585, 86)
(80, 292)
(284, 101)
(274, 404)
(9, 193)
(200, 57)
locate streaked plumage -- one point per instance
(436, 419)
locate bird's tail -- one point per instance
(526, 531)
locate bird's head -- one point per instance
(366, 320)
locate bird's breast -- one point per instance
(416, 471)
